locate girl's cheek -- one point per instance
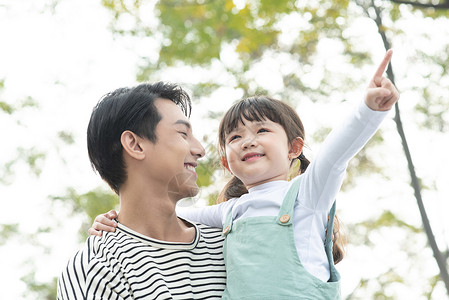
(231, 154)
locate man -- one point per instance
(140, 141)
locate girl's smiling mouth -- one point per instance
(252, 156)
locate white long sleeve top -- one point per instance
(319, 186)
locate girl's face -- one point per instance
(258, 152)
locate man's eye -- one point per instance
(183, 133)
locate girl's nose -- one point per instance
(249, 142)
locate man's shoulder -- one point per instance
(72, 280)
(86, 253)
(210, 235)
(89, 270)
(207, 229)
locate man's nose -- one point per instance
(197, 150)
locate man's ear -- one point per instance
(131, 143)
(295, 148)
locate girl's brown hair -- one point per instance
(259, 108)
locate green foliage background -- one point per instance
(241, 39)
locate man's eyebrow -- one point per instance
(183, 122)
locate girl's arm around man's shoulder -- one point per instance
(212, 215)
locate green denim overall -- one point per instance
(262, 261)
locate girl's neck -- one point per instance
(264, 184)
(255, 184)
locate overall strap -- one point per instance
(228, 222)
(285, 215)
(328, 245)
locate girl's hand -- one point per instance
(104, 222)
(381, 94)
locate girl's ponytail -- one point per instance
(233, 189)
(298, 166)
(304, 162)
(339, 241)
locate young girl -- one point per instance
(279, 233)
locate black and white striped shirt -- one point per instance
(128, 265)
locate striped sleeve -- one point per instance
(82, 277)
(72, 281)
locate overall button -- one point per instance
(226, 230)
(284, 219)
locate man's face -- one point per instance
(174, 156)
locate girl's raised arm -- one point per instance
(381, 94)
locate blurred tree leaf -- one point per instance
(34, 158)
(66, 137)
(5, 107)
(388, 219)
(433, 107)
(212, 199)
(198, 33)
(89, 205)
(6, 172)
(39, 290)
(28, 102)
(364, 163)
(204, 172)
(7, 231)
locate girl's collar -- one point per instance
(267, 185)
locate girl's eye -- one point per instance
(262, 130)
(233, 138)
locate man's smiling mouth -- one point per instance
(190, 167)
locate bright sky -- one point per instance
(67, 60)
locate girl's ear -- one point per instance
(224, 162)
(295, 148)
(132, 145)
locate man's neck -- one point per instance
(153, 214)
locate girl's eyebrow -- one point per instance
(260, 122)
(254, 123)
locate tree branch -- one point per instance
(444, 5)
(439, 257)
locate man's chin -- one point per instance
(183, 186)
(183, 193)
